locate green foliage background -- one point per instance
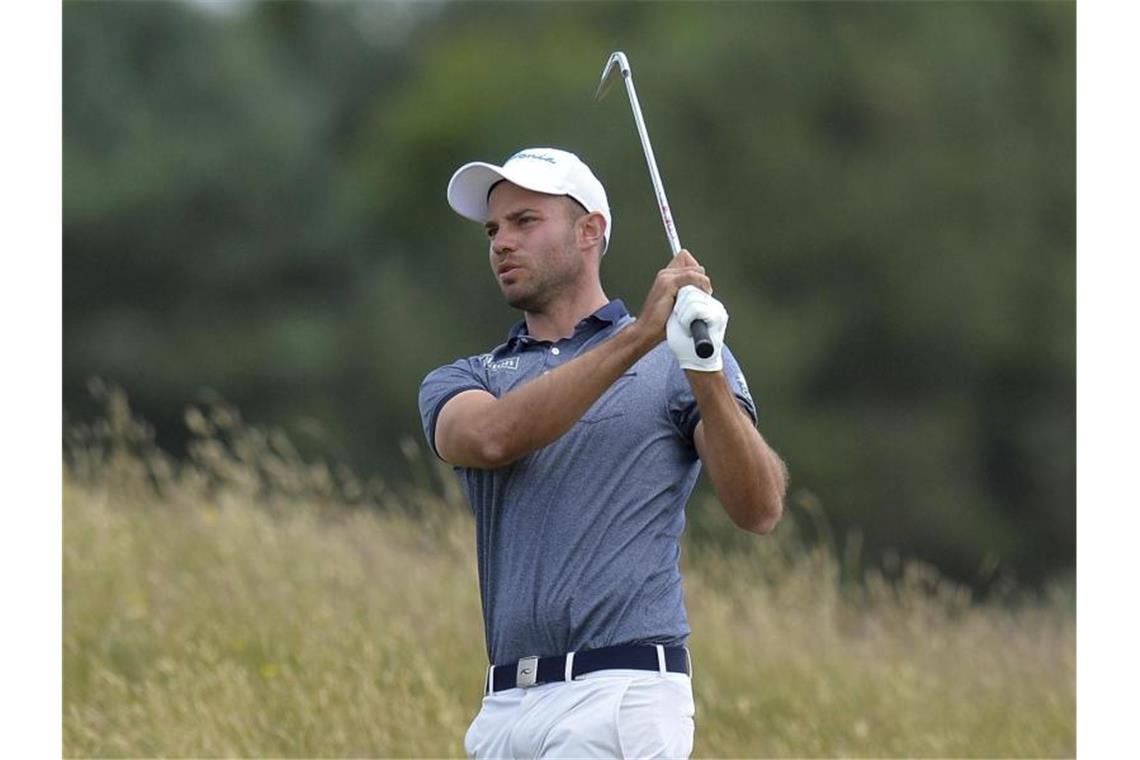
(883, 193)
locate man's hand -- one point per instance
(696, 304)
(682, 270)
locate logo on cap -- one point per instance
(537, 156)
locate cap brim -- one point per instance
(467, 191)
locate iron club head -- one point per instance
(616, 63)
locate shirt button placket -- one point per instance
(551, 360)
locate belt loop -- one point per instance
(660, 659)
(569, 672)
(490, 680)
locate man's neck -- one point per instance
(559, 320)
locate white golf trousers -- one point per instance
(608, 713)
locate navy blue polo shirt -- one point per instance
(578, 542)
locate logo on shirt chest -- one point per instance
(511, 363)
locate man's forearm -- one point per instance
(747, 475)
(534, 415)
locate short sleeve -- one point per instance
(683, 409)
(444, 383)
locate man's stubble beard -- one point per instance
(538, 297)
(548, 288)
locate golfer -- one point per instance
(578, 441)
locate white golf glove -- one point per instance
(693, 303)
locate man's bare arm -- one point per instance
(748, 476)
(475, 429)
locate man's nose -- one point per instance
(502, 243)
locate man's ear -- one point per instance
(592, 230)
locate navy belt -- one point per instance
(531, 671)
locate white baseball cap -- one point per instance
(543, 170)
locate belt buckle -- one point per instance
(527, 672)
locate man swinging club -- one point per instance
(578, 442)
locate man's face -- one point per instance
(533, 249)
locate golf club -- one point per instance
(619, 64)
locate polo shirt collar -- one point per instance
(611, 313)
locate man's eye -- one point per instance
(526, 219)
(491, 231)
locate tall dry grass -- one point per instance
(247, 603)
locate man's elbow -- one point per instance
(768, 522)
(764, 520)
(482, 453)
(762, 514)
(493, 448)
(769, 507)
(480, 450)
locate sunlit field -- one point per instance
(248, 603)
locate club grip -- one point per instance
(701, 340)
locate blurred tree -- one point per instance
(205, 239)
(884, 194)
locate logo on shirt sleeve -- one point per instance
(744, 387)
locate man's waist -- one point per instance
(512, 637)
(536, 670)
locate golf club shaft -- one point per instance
(700, 331)
(651, 160)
